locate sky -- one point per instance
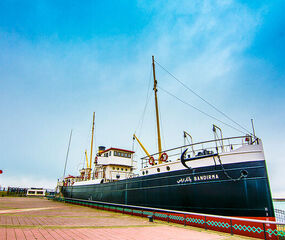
(62, 60)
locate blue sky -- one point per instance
(62, 60)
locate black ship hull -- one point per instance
(237, 189)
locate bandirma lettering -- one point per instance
(206, 177)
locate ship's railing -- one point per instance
(233, 225)
(203, 148)
(110, 177)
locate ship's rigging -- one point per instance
(237, 127)
(204, 100)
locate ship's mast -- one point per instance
(157, 112)
(90, 160)
(67, 154)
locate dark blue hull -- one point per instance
(211, 190)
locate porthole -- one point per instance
(146, 172)
(158, 169)
(113, 168)
(244, 173)
(143, 172)
(126, 169)
(168, 168)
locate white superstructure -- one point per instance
(110, 165)
(206, 155)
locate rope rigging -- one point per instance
(204, 100)
(208, 115)
(140, 123)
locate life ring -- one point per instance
(164, 157)
(151, 161)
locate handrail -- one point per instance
(179, 212)
(189, 145)
(261, 229)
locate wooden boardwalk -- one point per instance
(33, 218)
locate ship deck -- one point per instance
(37, 218)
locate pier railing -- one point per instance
(233, 225)
(280, 215)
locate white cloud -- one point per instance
(201, 42)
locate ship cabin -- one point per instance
(113, 164)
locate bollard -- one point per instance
(150, 218)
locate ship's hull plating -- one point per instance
(211, 190)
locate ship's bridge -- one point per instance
(113, 163)
(115, 156)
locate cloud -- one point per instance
(50, 86)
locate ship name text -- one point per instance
(198, 178)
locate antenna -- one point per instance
(253, 128)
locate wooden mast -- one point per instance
(90, 160)
(157, 112)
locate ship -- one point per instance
(221, 176)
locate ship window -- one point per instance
(113, 168)
(143, 172)
(168, 168)
(126, 169)
(118, 168)
(126, 155)
(122, 169)
(243, 173)
(110, 153)
(158, 169)
(146, 171)
(115, 153)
